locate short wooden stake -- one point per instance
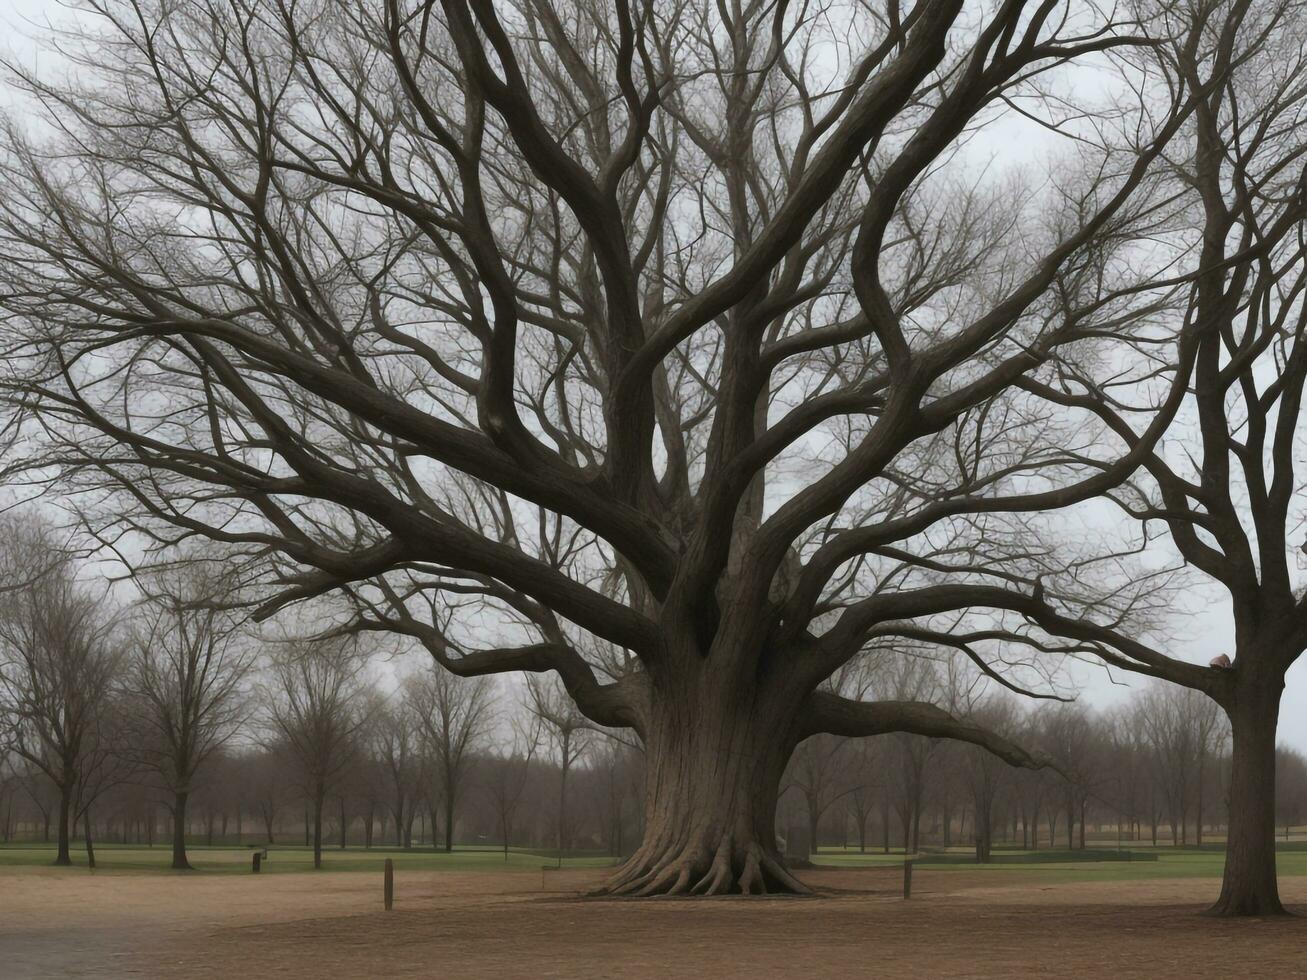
(390, 884)
(258, 860)
(907, 878)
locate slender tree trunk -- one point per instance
(319, 800)
(344, 824)
(64, 857)
(1249, 886)
(562, 799)
(449, 817)
(179, 861)
(90, 843)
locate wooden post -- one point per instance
(258, 859)
(907, 878)
(390, 883)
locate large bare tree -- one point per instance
(1226, 485)
(665, 346)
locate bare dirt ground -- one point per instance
(958, 924)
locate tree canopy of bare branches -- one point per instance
(675, 348)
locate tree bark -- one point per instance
(1249, 886)
(712, 780)
(179, 860)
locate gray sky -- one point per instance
(1200, 633)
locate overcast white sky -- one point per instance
(1199, 635)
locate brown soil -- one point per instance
(958, 924)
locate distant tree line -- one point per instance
(167, 722)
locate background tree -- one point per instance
(816, 775)
(454, 716)
(570, 737)
(186, 675)
(396, 731)
(58, 663)
(315, 702)
(1290, 789)
(867, 778)
(507, 773)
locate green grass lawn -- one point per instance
(1052, 866)
(1063, 866)
(290, 858)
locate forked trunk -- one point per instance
(712, 776)
(1249, 885)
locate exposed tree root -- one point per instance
(730, 870)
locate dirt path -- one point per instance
(483, 925)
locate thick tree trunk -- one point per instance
(179, 861)
(712, 778)
(1249, 886)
